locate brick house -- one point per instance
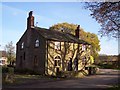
(48, 51)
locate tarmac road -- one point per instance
(105, 79)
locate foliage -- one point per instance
(8, 74)
(107, 66)
(27, 71)
(10, 50)
(93, 40)
(115, 87)
(91, 59)
(108, 61)
(86, 36)
(107, 14)
(4, 69)
(64, 27)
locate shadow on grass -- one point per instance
(115, 87)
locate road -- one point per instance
(105, 79)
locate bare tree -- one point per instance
(107, 14)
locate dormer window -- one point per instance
(37, 43)
(57, 45)
(22, 45)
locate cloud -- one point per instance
(12, 10)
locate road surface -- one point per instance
(105, 79)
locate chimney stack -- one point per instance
(30, 20)
(77, 32)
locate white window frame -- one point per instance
(37, 43)
(22, 45)
(57, 45)
(83, 47)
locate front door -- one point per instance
(57, 63)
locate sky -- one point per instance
(14, 15)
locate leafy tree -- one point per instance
(10, 50)
(64, 27)
(93, 40)
(107, 14)
(87, 36)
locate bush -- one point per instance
(4, 69)
(60, 74)
(27, 71)
(107, 66)
(8, 74)
(92, 69)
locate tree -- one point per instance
(93, 40)
(64, 27)
(10, 50)
(86, 36)
(107, 14)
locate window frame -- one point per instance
(57, 61)
(35, 61)
(22, 45)
(83, 47)
(57, 45)
(37, 43)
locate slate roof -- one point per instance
(58, 36)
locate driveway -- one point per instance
(105, 79)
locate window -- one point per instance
(35, 61)
(57, 61)
(20, 61)
(76, 64)
(22, 45)
(83, 47)
(3, 62)
(24, 55)
(70, 65)
(37, 43)
(57, 45)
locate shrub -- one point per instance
(8, 74)
(27, 71)
(4, 69)
(60, 74)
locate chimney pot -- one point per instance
(77, 31)
(30, 20)
(30, 13)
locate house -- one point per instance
(49, 51)
(3, 58)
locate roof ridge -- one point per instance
(58, 36)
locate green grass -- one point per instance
(18, 79)
(115, 87)
(27, 76)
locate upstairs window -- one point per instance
(83, 47)
(37, 43)
(57, 45)
(22, 45)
